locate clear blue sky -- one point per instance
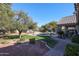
(43, 13)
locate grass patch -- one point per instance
(30, 37)
(24, 37)
(50, 42)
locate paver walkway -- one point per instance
(58, 50)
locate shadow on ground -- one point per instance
(24, 49)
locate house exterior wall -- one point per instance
(68, 23)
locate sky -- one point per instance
(43, 13)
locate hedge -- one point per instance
(72, 50)
(75, 38)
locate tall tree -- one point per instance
(43, 28)
(53, 25)
(49, 25)
(6, 16)
(21, 22)
(33, 27)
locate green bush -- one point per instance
(32, 41)
(72, 50)
(12, 36)
(75, 38)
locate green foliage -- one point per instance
(36, 37)
(10, 20)
(20, 24)
(12, 37)
(32, 41)
(46, 27)
(53, 24)
(30, 37)
(75, 38)
(43, 28)
(72, 50)
(50, 42)
(26, 37)
(33, 26)
(6, 16)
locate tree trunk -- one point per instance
(33, 32)
(20, 34)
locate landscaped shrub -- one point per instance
(60, 33)
(12, 36)
(72, 50)
(75, 38)
(32, 41)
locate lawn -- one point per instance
(50, 42)
(36, 37)
(25, 37)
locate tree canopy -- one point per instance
(51, 25)
(6, 16)
(11, 20)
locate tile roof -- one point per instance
(68, 20)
